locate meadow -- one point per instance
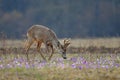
(87, 59)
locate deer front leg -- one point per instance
(38, 49)
(51, 53)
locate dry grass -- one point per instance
(97, 42)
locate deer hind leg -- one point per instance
(27, 47)
(38, 49)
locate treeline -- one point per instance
(68, 18)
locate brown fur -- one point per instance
(41, 34)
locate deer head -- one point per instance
(64, 47)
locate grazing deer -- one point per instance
(41, 34)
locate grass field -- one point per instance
(78, 66)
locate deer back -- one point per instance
(42, 33)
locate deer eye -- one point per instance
(62, 47)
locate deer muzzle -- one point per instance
(64, 55)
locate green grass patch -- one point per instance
(60, 74)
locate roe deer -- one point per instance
(41, 34)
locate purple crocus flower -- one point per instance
(1, 66)
(9, 66)
(27, 65)
(80, 67)
(117, 65)
(84, 62)
(73, 59)
(73, 65)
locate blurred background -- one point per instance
(68, 18)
